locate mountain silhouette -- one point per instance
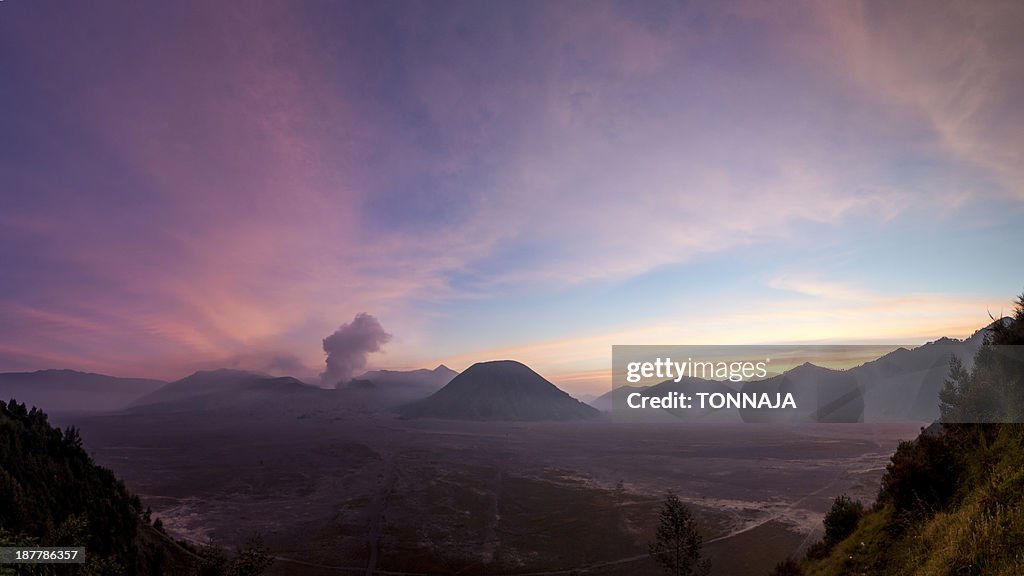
(59, 391)
(225, 389)
(500, 390)
(408, 385)
(901, 385)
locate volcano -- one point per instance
(503, 390)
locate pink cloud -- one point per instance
(957, 65)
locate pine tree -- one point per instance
(678, 543)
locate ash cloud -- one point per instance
(348, 347)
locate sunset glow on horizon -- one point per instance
(193, 185)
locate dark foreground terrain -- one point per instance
(377, 494)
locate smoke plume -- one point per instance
(347, 348)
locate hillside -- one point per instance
(827, 395)
(500, 390)
(970, 520)
(903, 385)
(261, 396)
(423, 378)
(73, 391)
(615, 398)
(223, 389)
(952, 500)
(51, 494)
(404, 386)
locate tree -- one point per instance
(211, 560)
(678, 543)
(993, 390)
(1010, 332)
(842, 519)
(253, 558)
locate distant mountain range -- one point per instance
(407, 385)
(500, 390)
(59, 391)
(224, 389)
(902, 385)
(234, 390)
(67, 391)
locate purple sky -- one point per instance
(193, 184)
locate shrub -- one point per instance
(842, 519)
(921, 477)
(787, 567)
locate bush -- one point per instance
(922, 476)
(842, 519)
(787, 567)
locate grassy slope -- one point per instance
(983, 533)
(977, 529)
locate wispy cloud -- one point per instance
(957, 65)
(199, 184)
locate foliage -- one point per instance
(921, 477)
(1011, 333)
(992, 392)
(52, 494)
(678, 543)
(212, 561)
(951, 501)
(50, 489)
(252, 559)
(788, 567)
(841, 520)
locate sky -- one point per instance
(189, 185)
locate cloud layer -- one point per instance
(195, 185)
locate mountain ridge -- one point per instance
(901, 385)
(500, 390)
(65, 390)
